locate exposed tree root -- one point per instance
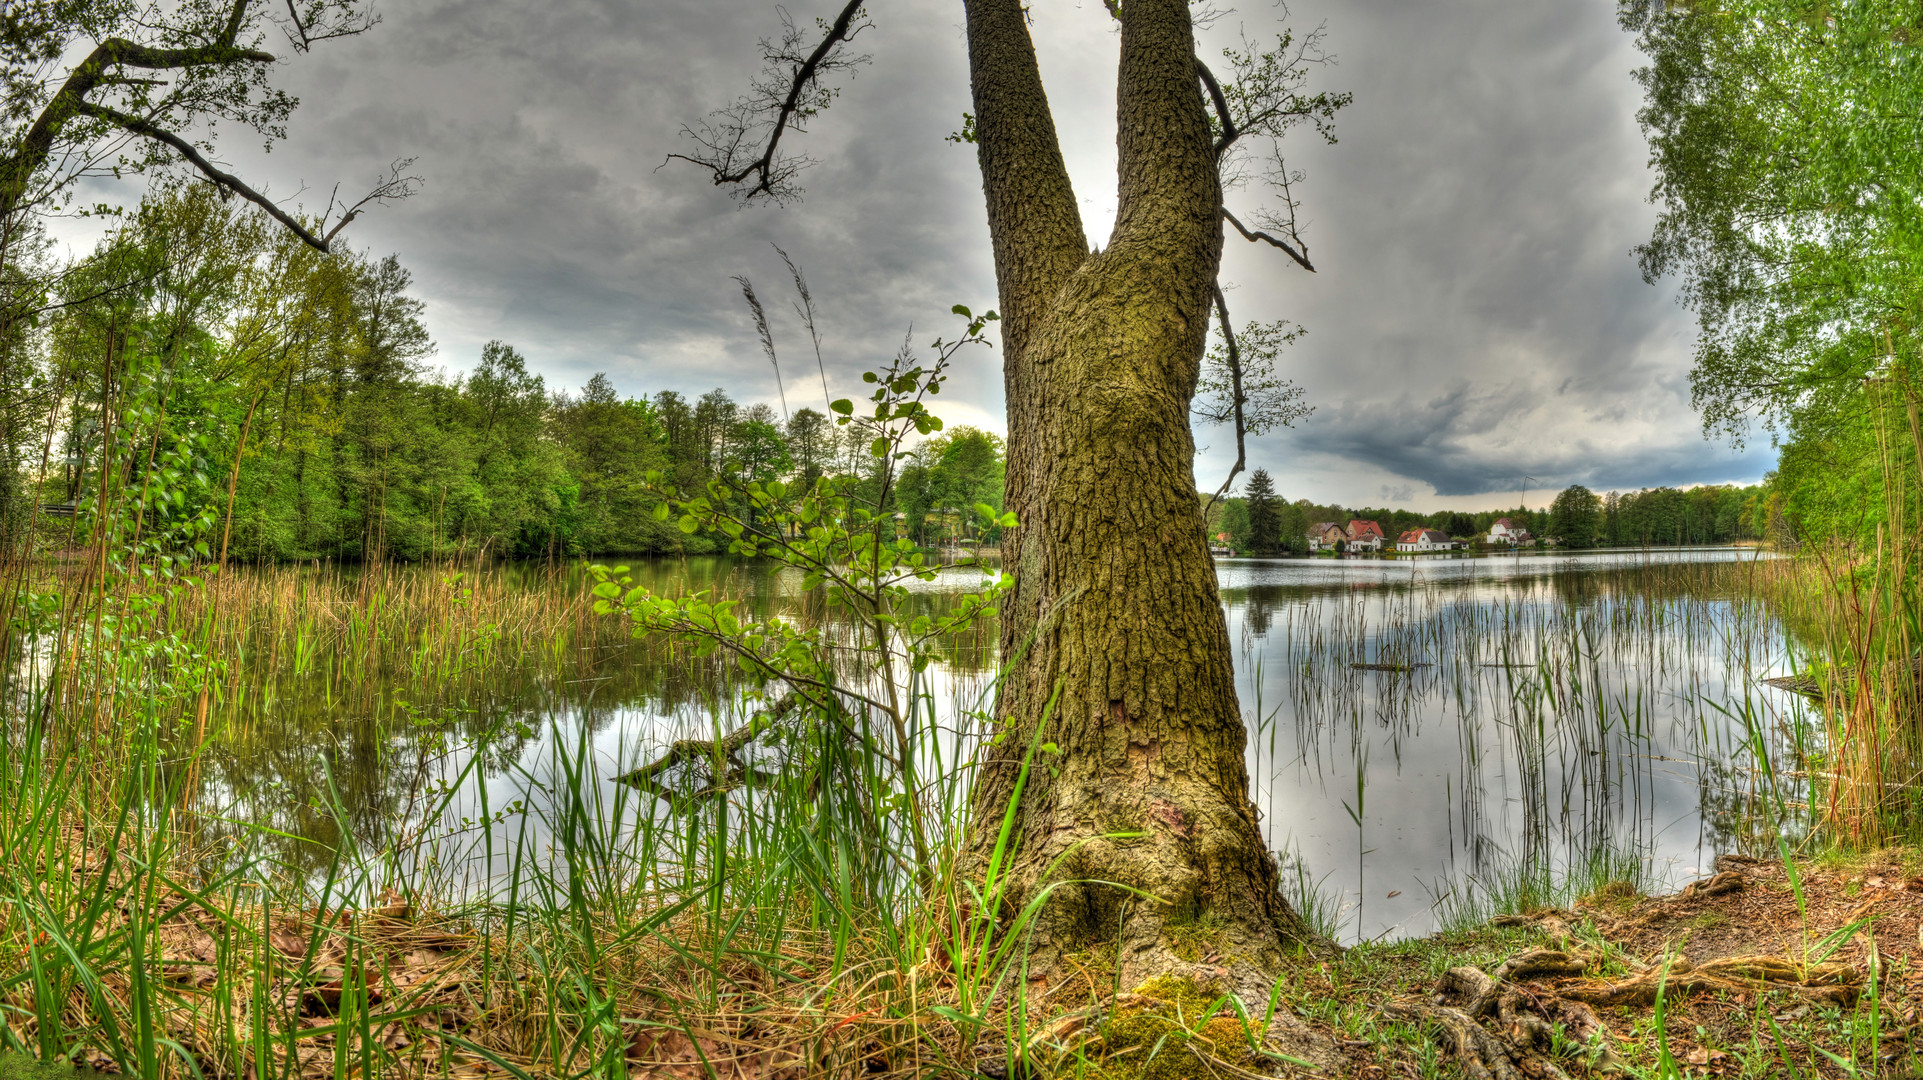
(1500, 1031)
(1522, 1041)
(1734, 974)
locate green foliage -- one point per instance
(1665, 516)
(1576, 516)
(1265, 521)
(846, 548)
(952, 474)
(303, 379)
(1787, 147)
(1268, 400)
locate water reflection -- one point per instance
(1423, 732)
(1419, 727)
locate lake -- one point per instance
(1423, 732)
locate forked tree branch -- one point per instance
(315, 27)
(766, 170)
(1230, 132)
(1257, 235)
(396, 183)
(1236, 397)
(311, 21)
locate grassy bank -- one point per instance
(759, 946)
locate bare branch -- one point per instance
(1236, 399)
(314, 21)
(788, 93)
(726, 769)
(395, 184)
(187, 150)
(1253, 236)
(1230, 132)
(1267, 96)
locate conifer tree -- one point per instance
(1265, 519)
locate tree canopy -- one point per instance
(1786, 144)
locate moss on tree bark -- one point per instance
(1116, 615)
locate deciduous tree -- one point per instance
(1576, 516)
(1119, 766)
(149, 83)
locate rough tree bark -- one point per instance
(1115, 617)
(1116, 613)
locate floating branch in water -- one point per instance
(714, 752)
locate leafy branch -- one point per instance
(848, 551)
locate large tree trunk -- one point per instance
(1116, 617)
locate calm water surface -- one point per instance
(1420, 728)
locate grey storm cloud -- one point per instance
(1476, 315)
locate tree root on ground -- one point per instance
(1500, 1031)
(1522, 1043)
(1835, 983)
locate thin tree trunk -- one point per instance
(1116, 614)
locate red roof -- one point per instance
(1359, 530)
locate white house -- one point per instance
(1365, 536)
(1425, 540)
(1505, 531)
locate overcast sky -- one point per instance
(1477, 316)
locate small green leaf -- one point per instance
(843, 406)
(689, 524)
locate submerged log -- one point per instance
(1841, 682)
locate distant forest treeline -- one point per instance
(1259, 520)
(202, 349)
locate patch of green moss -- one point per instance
(1617, 896)
(1153, 1037)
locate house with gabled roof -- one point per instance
(1505, 531)
(1327, 536)
(1425, 540)
(1365, 536)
